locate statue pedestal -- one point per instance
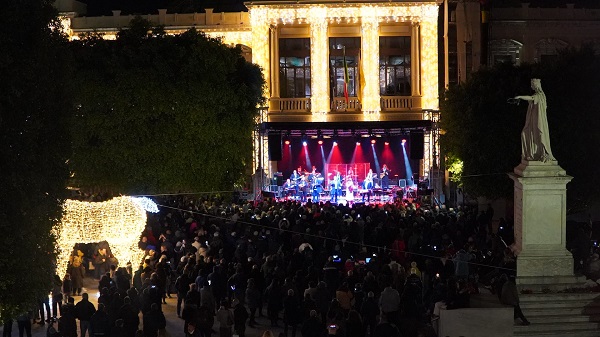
(540, 227)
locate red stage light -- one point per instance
(403, 141)
(373, 141)
(287, 142)
(387, 143)
(357, 143)
(334, 143)
(320, 142)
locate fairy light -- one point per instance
(319, 59)
(119, 221)
(371, 102)
(260, 43)
(429, 65)
(232, 37)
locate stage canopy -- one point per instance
(345, 129)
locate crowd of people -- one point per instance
(313, 269)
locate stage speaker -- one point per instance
(416, 145)
(275, 152)
(268, 195)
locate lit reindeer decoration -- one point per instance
(119, 221)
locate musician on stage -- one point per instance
(385, 177)
(295, 180)
(368, 185)
(336, 187)
(350, 186)
(314, 181)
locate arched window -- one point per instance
(505, 51)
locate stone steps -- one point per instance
(560, 314)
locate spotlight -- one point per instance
(387, 143)
(373, 141)
(287, 142)
(304, 143)
(357, 143)
(403, 141)
(334, 143)
(320, 142)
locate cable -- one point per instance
(324, 237)
(184, 193)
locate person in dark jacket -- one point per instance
(99, 324)
(130, 318)
(84, 311)
(182, 284)
(240, 316)
(252, 300)
(322, 299)
(313, 327)
(354, 325)
(369, 311)
(273, 296)
(67, 325)
(118, 329)
(291, 312)
(154, 320)
(24, 324)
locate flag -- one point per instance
(346, 77)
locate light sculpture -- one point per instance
(119, 221)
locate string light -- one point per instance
(119, 221)
(232, 37)
(429, 65)
(319, 60)
(371, 102)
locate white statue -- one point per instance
(535, 138)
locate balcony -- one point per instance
(299, 109)
(338, 104)
(400, 103)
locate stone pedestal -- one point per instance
(540, 226)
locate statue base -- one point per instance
(540, 227)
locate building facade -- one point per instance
(342, 63)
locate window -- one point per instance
(337, 45)
(547, 49)
(294, 68)
(394, 65)
(505, 51)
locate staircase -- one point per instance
(560, 314)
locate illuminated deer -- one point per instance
(119, 221)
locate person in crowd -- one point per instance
(389, 303)
(24, 324)
(369, 311)
(7, 327)
(84, 311)
(240, 316)
(252, 300)
(344, 297)
(154, 320)
(354, 325)
(291, 312)
(57, 296)
(67, 287)
(225, 318)
(510, 296)
(67, 324)
(313, 327)
(99, 323)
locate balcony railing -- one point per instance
(339, 104)
(400, 103)
(290, 104)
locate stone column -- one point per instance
(540, 226)
(415, 69)
(319, 62)
(371, 104)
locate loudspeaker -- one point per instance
(416, 145)
(268, 195)
(275, 153)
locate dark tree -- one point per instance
(159, 113)
(483, 131)
(34, 148)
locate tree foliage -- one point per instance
(159, 113)
(483, 131)
(34, 148)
